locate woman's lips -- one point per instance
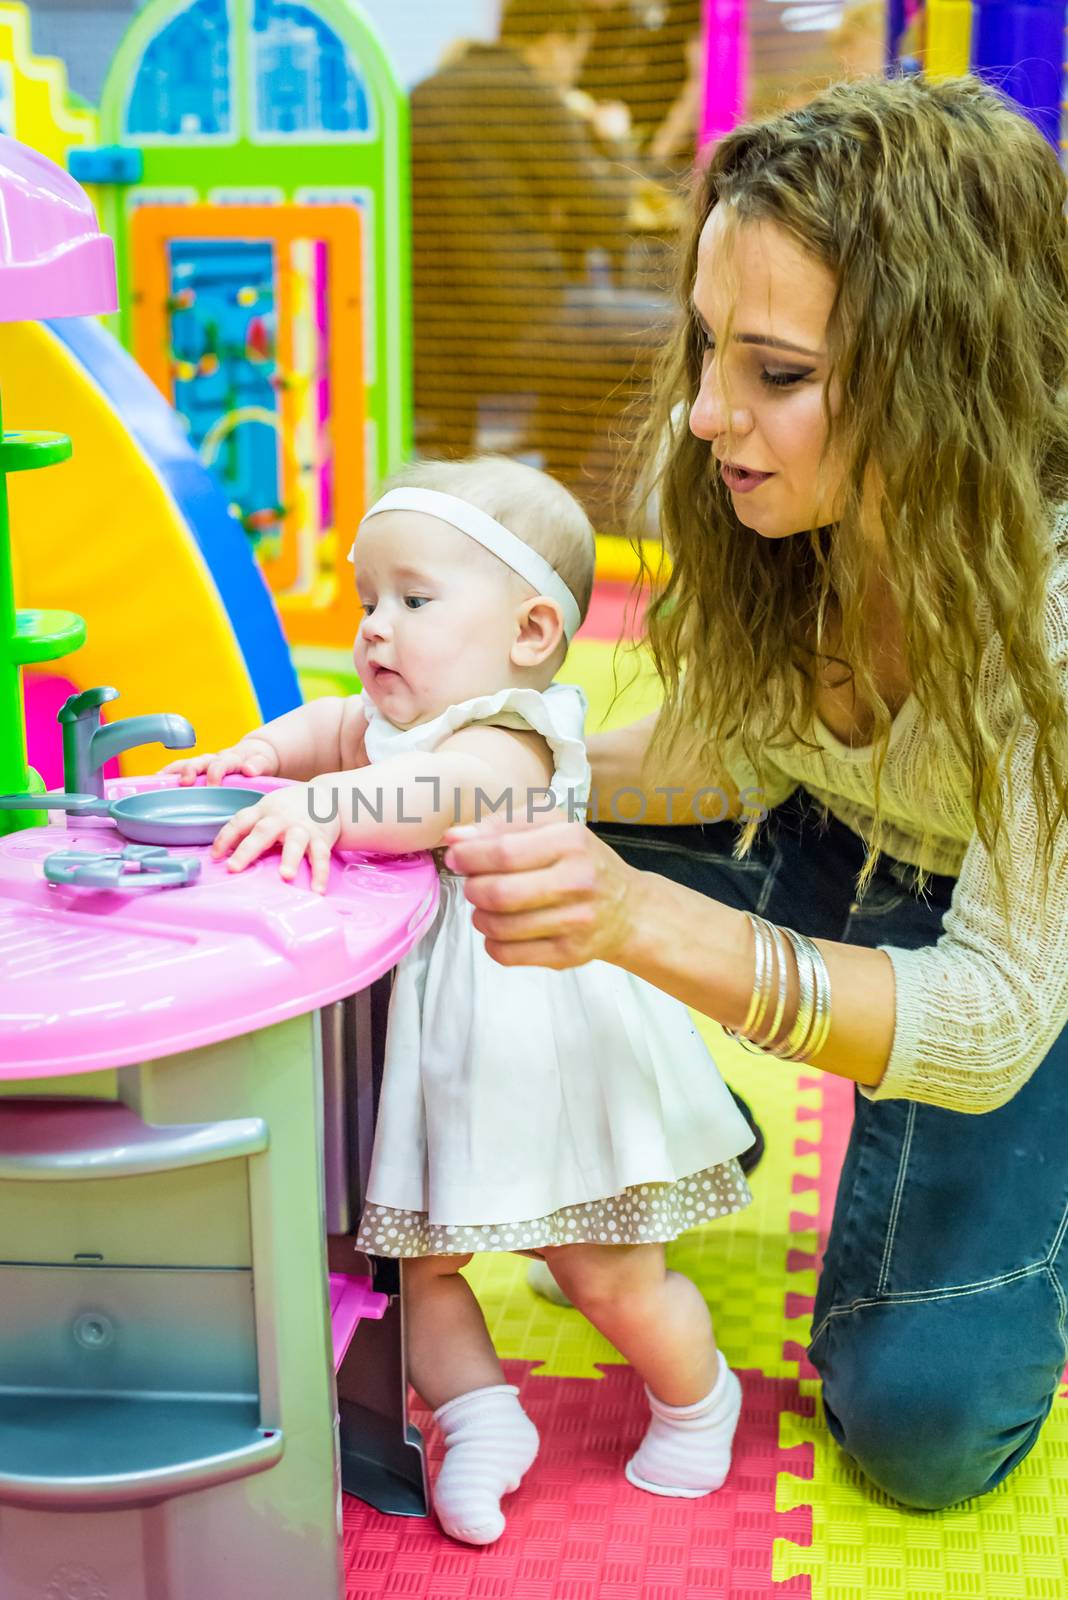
(740, 480)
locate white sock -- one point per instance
(686, 1451)
(490, 1442)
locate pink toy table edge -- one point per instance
(184, 968)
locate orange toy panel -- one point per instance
(317, 351)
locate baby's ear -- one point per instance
(539, 632)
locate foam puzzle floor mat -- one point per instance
(794, 1517)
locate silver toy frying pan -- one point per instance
(156, 816)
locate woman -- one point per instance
(867, 621)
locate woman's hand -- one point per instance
(284, 817)
(547, 893)
(252, 758)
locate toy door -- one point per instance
(249, 321)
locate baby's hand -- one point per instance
(284, 817)
(252, 758)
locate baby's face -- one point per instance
(439, 616)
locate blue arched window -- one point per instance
(306, 82)
(183, 83)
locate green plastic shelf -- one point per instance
(23, 452)
(45, 635)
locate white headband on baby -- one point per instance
(493, 536)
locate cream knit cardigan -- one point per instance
(977, 1012)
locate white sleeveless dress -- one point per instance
(523, 1107)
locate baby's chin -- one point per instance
(396, 702)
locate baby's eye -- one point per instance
(414, 601)
(368, 607)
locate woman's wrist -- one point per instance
(703, 953)
(696, 949)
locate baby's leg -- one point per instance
(450, 1351)
(659, 1321)
(655, 1318)
(490, 1442)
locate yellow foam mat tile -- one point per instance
(740, 1262)
(1009, 1545)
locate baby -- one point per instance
(572, 1114)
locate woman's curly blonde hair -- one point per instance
(939, 212)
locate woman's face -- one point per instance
(761, 408)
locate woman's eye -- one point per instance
(784, 380)
(414, 601)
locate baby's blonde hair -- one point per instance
(530, 504)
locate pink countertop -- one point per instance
(92, 979)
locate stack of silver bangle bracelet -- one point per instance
(808, 1032)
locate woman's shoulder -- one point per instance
(996, 686)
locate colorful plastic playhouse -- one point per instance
(254, 174)
(187, 1064)
(136, 474)
(53, 260)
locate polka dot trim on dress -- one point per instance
(647, 1213)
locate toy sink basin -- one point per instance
(155, 816)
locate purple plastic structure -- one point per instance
(352, 1299)
(725, 68)
(1019, 48)
(54, 261)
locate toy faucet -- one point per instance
(54, 262)
(89, 743)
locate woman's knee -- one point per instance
(921, 1447)
(928, 1432)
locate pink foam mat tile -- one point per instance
(833, 1112)
(578, 1531)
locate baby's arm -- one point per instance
(325, 733)
(408, 802)
(396, 806)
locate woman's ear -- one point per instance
(539, 632)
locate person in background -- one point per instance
(646, 56)
(520, 223)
